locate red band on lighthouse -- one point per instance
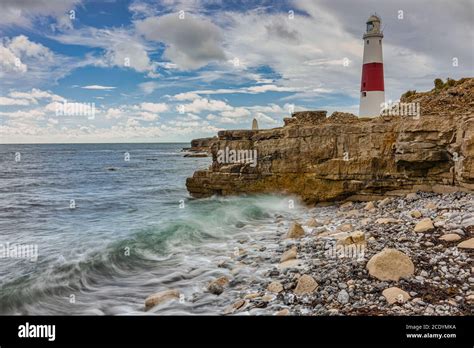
(372, 77)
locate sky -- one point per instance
(84, 71)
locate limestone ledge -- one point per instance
(324, 158)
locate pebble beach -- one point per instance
(409, 255)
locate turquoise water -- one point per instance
(132, 229)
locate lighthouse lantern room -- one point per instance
(372, 92)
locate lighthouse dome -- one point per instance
(373, 26)
(373, 18)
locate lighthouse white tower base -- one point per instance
(370, 105)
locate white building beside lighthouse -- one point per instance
(372, 91)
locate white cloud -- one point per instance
(114, 113)
(14, 52)
(148, 116)
(186, 96)
(27, 63)
(236, 113)
(121, 48)
(269, 88)
(52, 121)
(23, 13)
(154, 107)
(52, 107)
(35, 94)
(148, 87)
(34, 114)
(143, 111)
(261, 117)
(11, 101)
(245, 90)
(204, 104)
(193, 117)
(99, 87)
(22, 46)
(9, 62)
(191, 42)
(132, 122)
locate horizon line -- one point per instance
(164, 142)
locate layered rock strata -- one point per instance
(327, 158)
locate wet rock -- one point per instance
(161, 297)
(306, 285)
(390, 264)
(289, 254)
(216, 287)
(251, 296)
(224, 264)
(314, 223)
(283, 312)
(274, 273)
(235, 307)
(290, 264)
(275, 287)
(296, 231)
(268, 298)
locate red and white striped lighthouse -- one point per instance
(372, 93)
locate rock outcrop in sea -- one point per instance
(322, 158)
(200, 147)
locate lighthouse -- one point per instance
(372, 92)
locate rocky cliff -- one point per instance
(326, 158)
(201, 144)
(200, 147)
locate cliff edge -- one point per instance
(327, 158)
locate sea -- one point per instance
(94, 229)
